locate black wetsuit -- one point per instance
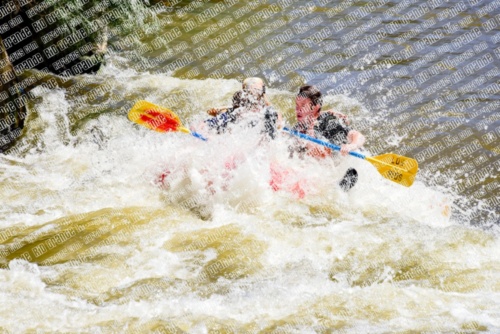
(329, 127)
(221, 122)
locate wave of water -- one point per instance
(91, 240)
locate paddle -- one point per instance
(158, 119)
(393, 167)
(396, 168)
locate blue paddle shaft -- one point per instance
(197, 135)
(303, 136)
(321, 142)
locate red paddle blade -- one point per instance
(154, 117)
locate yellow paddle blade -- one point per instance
(396, 168)
(408, 164)
(155, 117)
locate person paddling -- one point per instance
(249, 109)
(324, 125)
(254, 85)
(249, 104)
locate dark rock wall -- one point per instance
(64, 37)
(11, 116)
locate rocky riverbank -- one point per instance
(62, 37)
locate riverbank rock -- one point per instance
(63, 37)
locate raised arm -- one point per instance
(216, 111)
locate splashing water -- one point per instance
(107, 225)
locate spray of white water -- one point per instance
(197, 240)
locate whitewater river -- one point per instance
(108, 227)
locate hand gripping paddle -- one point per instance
(393, 167)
